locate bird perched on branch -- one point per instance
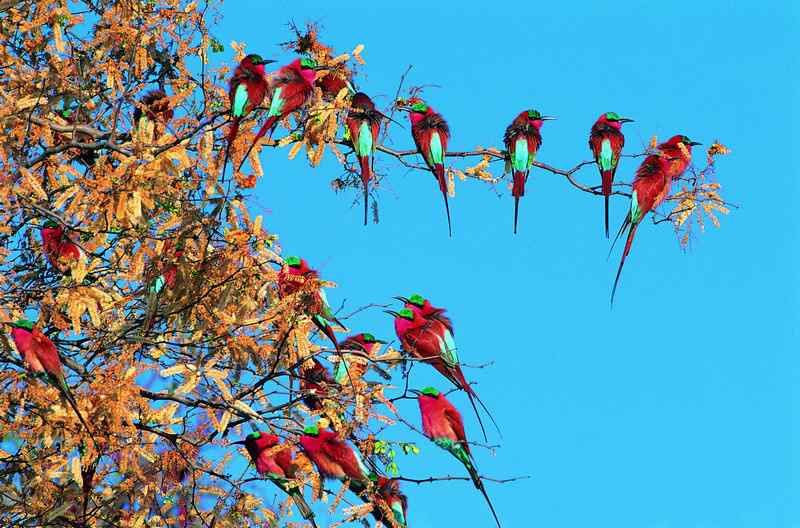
(363, 124)
(606, 141)
(289, 88)
(246, 90)
(522, 140)
(157, 113)
(650, 186)
(442, 423)
(277, 466)
(60, 251)
(431, 134)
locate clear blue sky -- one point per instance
(674, 410)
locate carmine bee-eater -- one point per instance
(41, 356)
(289, 87)
(314, 382)
(157, 113)
(334, 458)
(364, 345)
(388, 491)
(442, 423)
(59, 249)
(246, 90)
(650, 186)
(606, 141)
(431, 342)
(418, 303)
(431, 134)
(277, 467)
(167, 273)
(290, 279)
(364, 123)
(522, 140)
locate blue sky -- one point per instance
(677, 409)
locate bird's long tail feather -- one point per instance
(62, 386)
(302, 506)
(517, 191)
(461, 382)
(476, 480)
(366, 174)
(150, 314)
(608, 179)
(234, 131)
(625, 252)
(438, 171)
(267, 126)
(326, 329)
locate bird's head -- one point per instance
(257, 62)
(49, 224)
(430, 392)
(674, 141)
(311, 430)
(22, 324)
(535, 118)
(613, 119)
(298, 266)
(362, 101)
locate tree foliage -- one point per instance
(166, 379)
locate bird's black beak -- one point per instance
(267, 61)
(625, 120)
(693, 143)
(547, 118)
(402, 299)
(415, 391)
(392, 313)
(240, 442)
(381, 341)
(322, 68)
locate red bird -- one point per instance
(522, 140)
(442, 423)
(246, 90)
(314, 383)
(333, 458)
(167, 275)
(277, 467)
(431, 134)
(606, 141)
(59, 249)
(365, 343)
(156, 111)
(431, 342)
(42, 357)
(650, 186)
(388, 491)
(290, 279)
(417, 303)
(364, 123)
(290, 88)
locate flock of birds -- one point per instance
(426, 333)
(289, 88)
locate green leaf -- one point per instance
(392, 469)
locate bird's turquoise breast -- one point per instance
(240, 100)
(607, 161)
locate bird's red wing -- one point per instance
(453, 418)
(47, 353)
(294, 95)
(353, 125)
(423, 343)
(650, 183)
(343, 455)
(422, 138)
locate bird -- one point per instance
(278, 467)
(291, 278)
(363, 124)
(442, 423)
(290, 88)
(246, 90)
(431, 134)
(167, 276)
(314, 382)
(388, 491)
(650, 186)
(606, 141)
(334, 458)
(41, 356)
(431, 342)
(60, 251)
(157, 113)
(522, 140)
(349, 367)
(418, 303)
